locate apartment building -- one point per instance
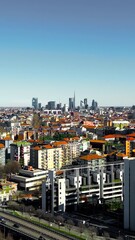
(26, 134)
(50, 188)
(7, 190)
(130, 146)
(77, 185)
(15, 127)
(6, 141)
(55, 155)
(70, 152)
(129, 193)
(2, 154)
(120, 124)
(92, 160)
(98, 144)
(20, 151)
(46, 157)
(29, 179)
(71, 149)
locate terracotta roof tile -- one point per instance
(59, 143)
(98, 141)
(2, 145)
(91, 157)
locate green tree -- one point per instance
(12, 167)
(36, 122)
(70, 224)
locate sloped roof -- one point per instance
(90, 157)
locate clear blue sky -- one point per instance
(49, 48)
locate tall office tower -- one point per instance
(39, 105)
(85, 103)
(35, 103)
(71, 104)
(94, 105)
(74, 102)
(129, 193)
(59, 106)
(81, 104)
(65, 108)
(51, 105)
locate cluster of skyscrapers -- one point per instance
(71, 106)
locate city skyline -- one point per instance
(49, 49)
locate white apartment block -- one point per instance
(29, 179)
(20, 151)
(15, 127)
(2, 154)
(81, 184)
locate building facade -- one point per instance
(129, 193)
(2, 154)
(35, 103)
(20, 151)
(82, 184)
(46, 157)
(29, 179)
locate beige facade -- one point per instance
(46, 157)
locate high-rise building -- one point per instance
(59, 106)
(74, 102)
(35, 103)
(85, 103)
(39, 105)
(65, 108)
(94, 105)
(81, 104)
(71, 104)
(51, 105)
(129, 193)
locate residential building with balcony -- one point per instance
(46, 157)
(82, 184)
(20, 151)
(92, 160)
(70, 149)
(6, 141)
(2, 155)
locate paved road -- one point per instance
(21, 230)
(32, 229)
